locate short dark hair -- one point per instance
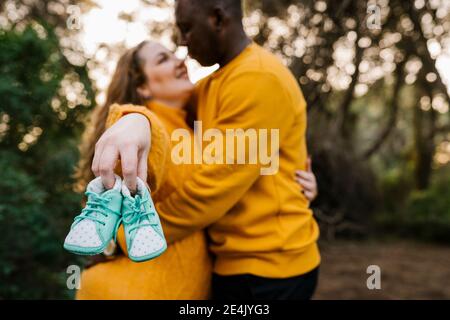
(234, 6)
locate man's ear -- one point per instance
(145, 92)
(218, 18)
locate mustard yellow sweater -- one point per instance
(184, 270)
(258, 224)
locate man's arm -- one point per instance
(252, 100)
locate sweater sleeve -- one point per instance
(160, 142)
(213, 189)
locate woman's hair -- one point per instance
(127, 78)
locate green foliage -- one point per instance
(40, 129)
(432, 205)
(418, 214)
(397, 184)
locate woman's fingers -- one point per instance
(309, 195)
(129, 160)
(309, 164)
(306, 184)
(305, 175)
(128, 138)
(142, 166)
(108, 160)
(306, 189)
(307, 181)
(96, 160)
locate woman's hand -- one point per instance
(307, 181)
(128, 139)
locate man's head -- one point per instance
(207, 27)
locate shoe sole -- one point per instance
(150, 256)
(86, 252)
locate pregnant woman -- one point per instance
(150, 78)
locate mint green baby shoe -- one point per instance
(143, 231)
(93, 229)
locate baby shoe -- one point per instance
(93, 229)
(143, 231)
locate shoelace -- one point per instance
(96, 203)
(136, 215)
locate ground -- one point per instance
(408, 270)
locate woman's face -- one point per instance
(167, 77)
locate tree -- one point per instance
(374, 94)
(44, 103)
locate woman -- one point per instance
(150, 75)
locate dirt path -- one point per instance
(408, 270)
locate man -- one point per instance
(261, 231)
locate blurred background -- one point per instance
(376, 76)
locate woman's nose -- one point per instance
(180, 62)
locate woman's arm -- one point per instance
(129, 139)
(136, 136)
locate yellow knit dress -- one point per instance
(184, 270)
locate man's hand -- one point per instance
(307, 181)
(129, 140)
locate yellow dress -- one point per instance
(184, 270)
